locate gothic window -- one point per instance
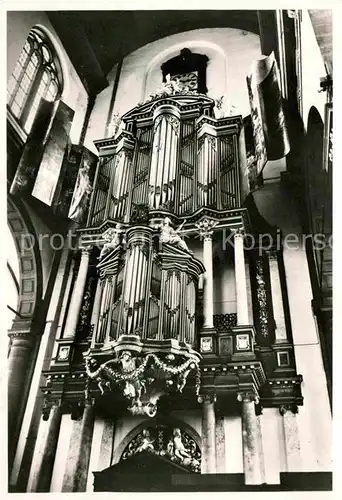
(37, 75)
(188, 69)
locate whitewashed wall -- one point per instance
(230, 51)
(312, 70)
(314, 417)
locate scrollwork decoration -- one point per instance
(140, 377)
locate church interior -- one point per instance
(169, 267)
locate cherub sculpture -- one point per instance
(172, 236)
(179, 449)
(146, 442)
(112, 237)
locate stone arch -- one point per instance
(169, 421)
(30, 269)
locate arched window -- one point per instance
(36, 75)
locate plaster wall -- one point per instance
(233, 444)
(314, 417)
(230, 51)
(312, 70)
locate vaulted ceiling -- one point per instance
(96, 40)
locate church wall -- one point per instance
(233, 444)
(314, 417)
(74, 95)
(312, 69)
(273, 445)
(231, 53)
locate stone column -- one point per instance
(220, 445)
(277, 299)
(76, 472)
(18, 363)
(292, 443)
(250, 439)
(208, 434)
(96, 310)
(47, 452)
(205, 228)
(77, 295)
(240, 279)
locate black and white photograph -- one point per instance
(168, 270)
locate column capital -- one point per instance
(238, 233)
(207, 398)
(206, 227)
(285, 408)
(272, 254)
(22, 338)
(248, 396)
(86, 250)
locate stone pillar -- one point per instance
(76, 472)
(107, 444)
(250, 439)
(205, 228)
(208, 434)
(18, 363)
(240, 279)
(277, 299)
(96, 310)
(47, 452)
(220, 446)
(292, 443)
(77, 295)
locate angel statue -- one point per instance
(112, 238)
(172, 236)
(146, 442)
(179, 449)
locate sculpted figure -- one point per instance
(172, 236)
(146, 442)
(179, 448)
(112, 238)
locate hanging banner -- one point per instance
(254, 177)
(268, 120)
(26, 172)
(48, 175)
(69, 173)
